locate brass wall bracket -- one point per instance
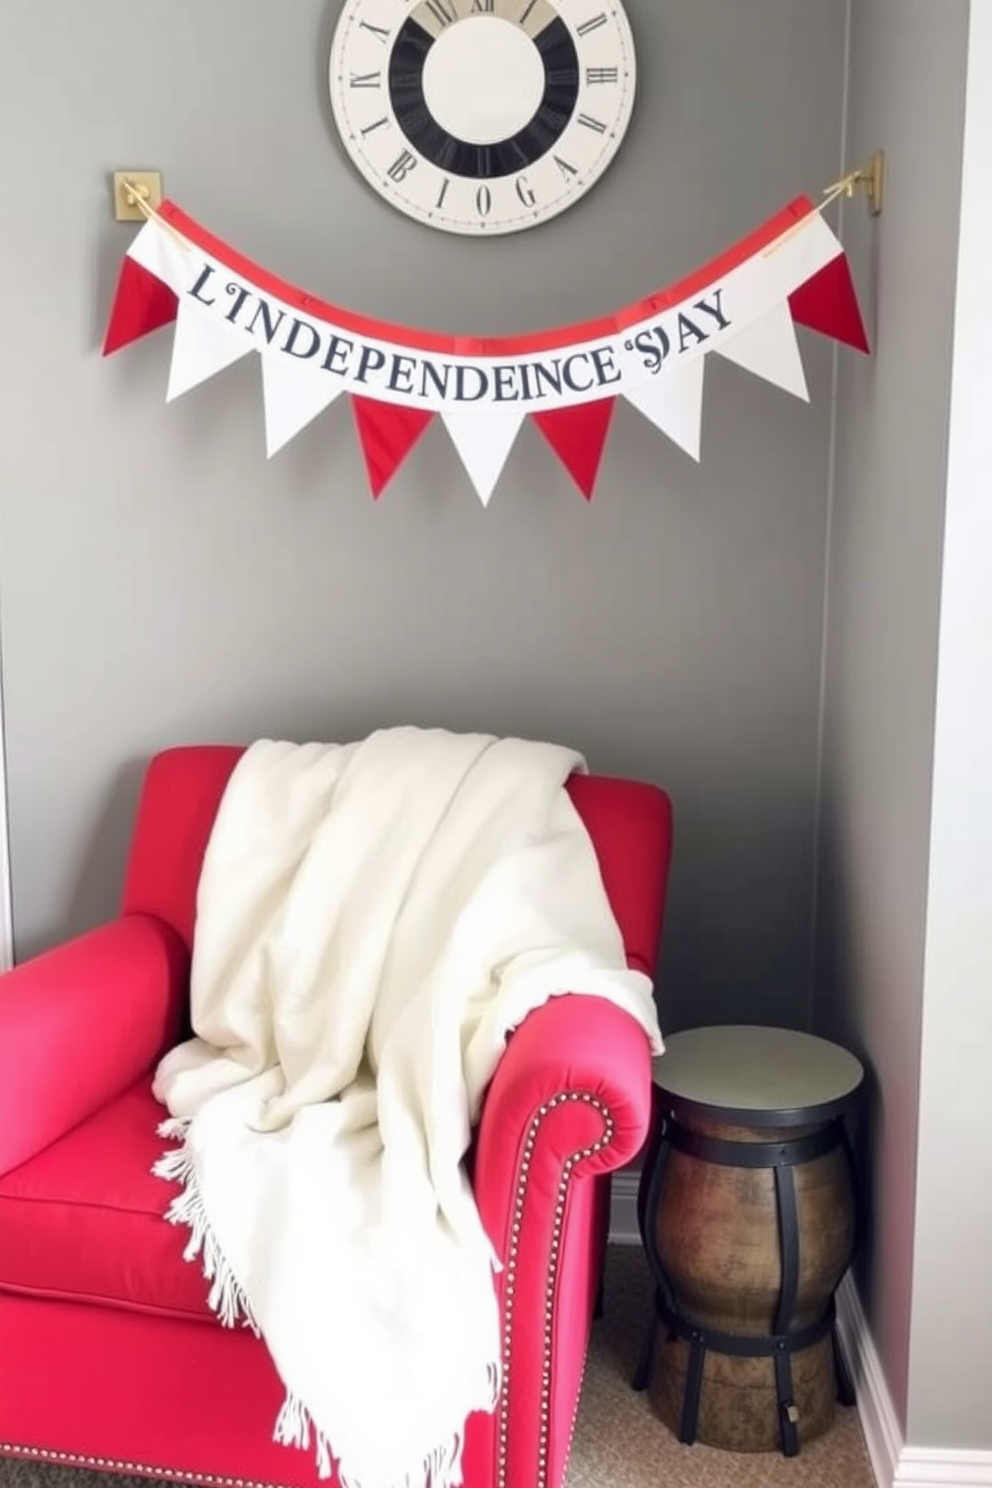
(132, 189)
(871, 178)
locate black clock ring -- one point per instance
(483, 162)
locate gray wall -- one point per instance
(160, 582)
(906, 87)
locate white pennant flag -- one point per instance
(295, 393)
(201, 348)
(484, 442)
(769, 349)
(673, 401)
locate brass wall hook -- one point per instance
(133, 192)
(869, 177)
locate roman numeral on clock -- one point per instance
(530, 6)
(380, 31)
(365, 80)
(591, 25)
(602, 75)
(441, 11)
(483, 7)
(377, 125)
(590, 123)
(402, 166)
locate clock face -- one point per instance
(482, 116)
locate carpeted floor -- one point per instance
(618, 1442)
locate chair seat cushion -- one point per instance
(84, 1220)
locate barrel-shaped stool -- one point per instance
(747, 1212)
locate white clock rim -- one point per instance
(385, 189)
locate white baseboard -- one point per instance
(879, 1421)
(894, 1464)
(935, 1467)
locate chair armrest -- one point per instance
(81, 1023)
(575, 1074)
(570, 1099)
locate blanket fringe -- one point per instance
(495, 1379)
(226, 1297)
(294, 1426)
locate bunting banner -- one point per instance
(744, 307)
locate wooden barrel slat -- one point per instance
(716, 1235)
(738, 1408)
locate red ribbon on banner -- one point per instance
(826, 303)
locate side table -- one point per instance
(747, 1213)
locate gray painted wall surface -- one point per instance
(905, 92)
(160, 582)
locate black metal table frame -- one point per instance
(781, 1157)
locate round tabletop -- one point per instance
(756, 1076)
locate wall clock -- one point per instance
(482, 116)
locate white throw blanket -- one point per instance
(372, 920)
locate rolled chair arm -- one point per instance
(571, 1099)
(81, 1023)
(579, 1056)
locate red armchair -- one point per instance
(110, 1356)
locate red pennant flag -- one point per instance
(142, 304)
(578, 437)
(829, 303)
(387, 432)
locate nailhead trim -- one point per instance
(549, 1290)
(216, 1481)
(575, 1416)
(176, 1474)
